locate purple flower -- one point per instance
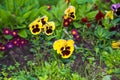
(77, 37)
(74, 32)
(2, 47)
(23, 42)
(15, 42)
(114, 7)
(9, 45)
(14, 33)
(6, 31)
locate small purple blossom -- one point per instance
(18, 41)
(6, 31)
(114, 7)
(2, 47)
(77, 37)
(14, 33)
(23, 42)
(74, 32)
(15, 42)
(9, 45)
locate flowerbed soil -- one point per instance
(20, 55)
(23, 54)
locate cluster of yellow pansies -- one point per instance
(64, 47)
(42, 24)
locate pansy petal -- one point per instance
(116, 44)
(44, 20)
(70, 9)
(69, 48)
(57, 44)
(49, 28)
(109, 14)
(35, 27)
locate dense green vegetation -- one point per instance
(84, 45)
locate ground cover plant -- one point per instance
(59, 40)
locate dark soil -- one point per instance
(20, 55)
(23, 54)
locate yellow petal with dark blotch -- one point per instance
(35, 27)
(57, 45)
(70, 9)
(49, 28)
(44, 20)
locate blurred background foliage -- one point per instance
(18, 14)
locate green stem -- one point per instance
(67, 33)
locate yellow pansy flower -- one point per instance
(49, 28)
(109, 14)
(64, 47)
(44, 20)
(70, 9)
(35, 27)
(70, 12)
(116, 44)
(58, 44)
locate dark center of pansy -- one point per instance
(72, 15)
(65, 50)
(43, 22)
(37, 25)
(118, 12)
(35, 28)
(49, 29)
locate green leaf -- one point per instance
(83, 1)
(107, 77)
(106, 23)
(80, 1)
(92, 14)
(115, 21)
(89, 1)
(22, 33)
(10, 5)
(8, 37)
(20, 20)
(35, 14)
(20, 27)
(26, 15)
(43, 77)
(5, 14)
(77, 25)
(113, 1)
